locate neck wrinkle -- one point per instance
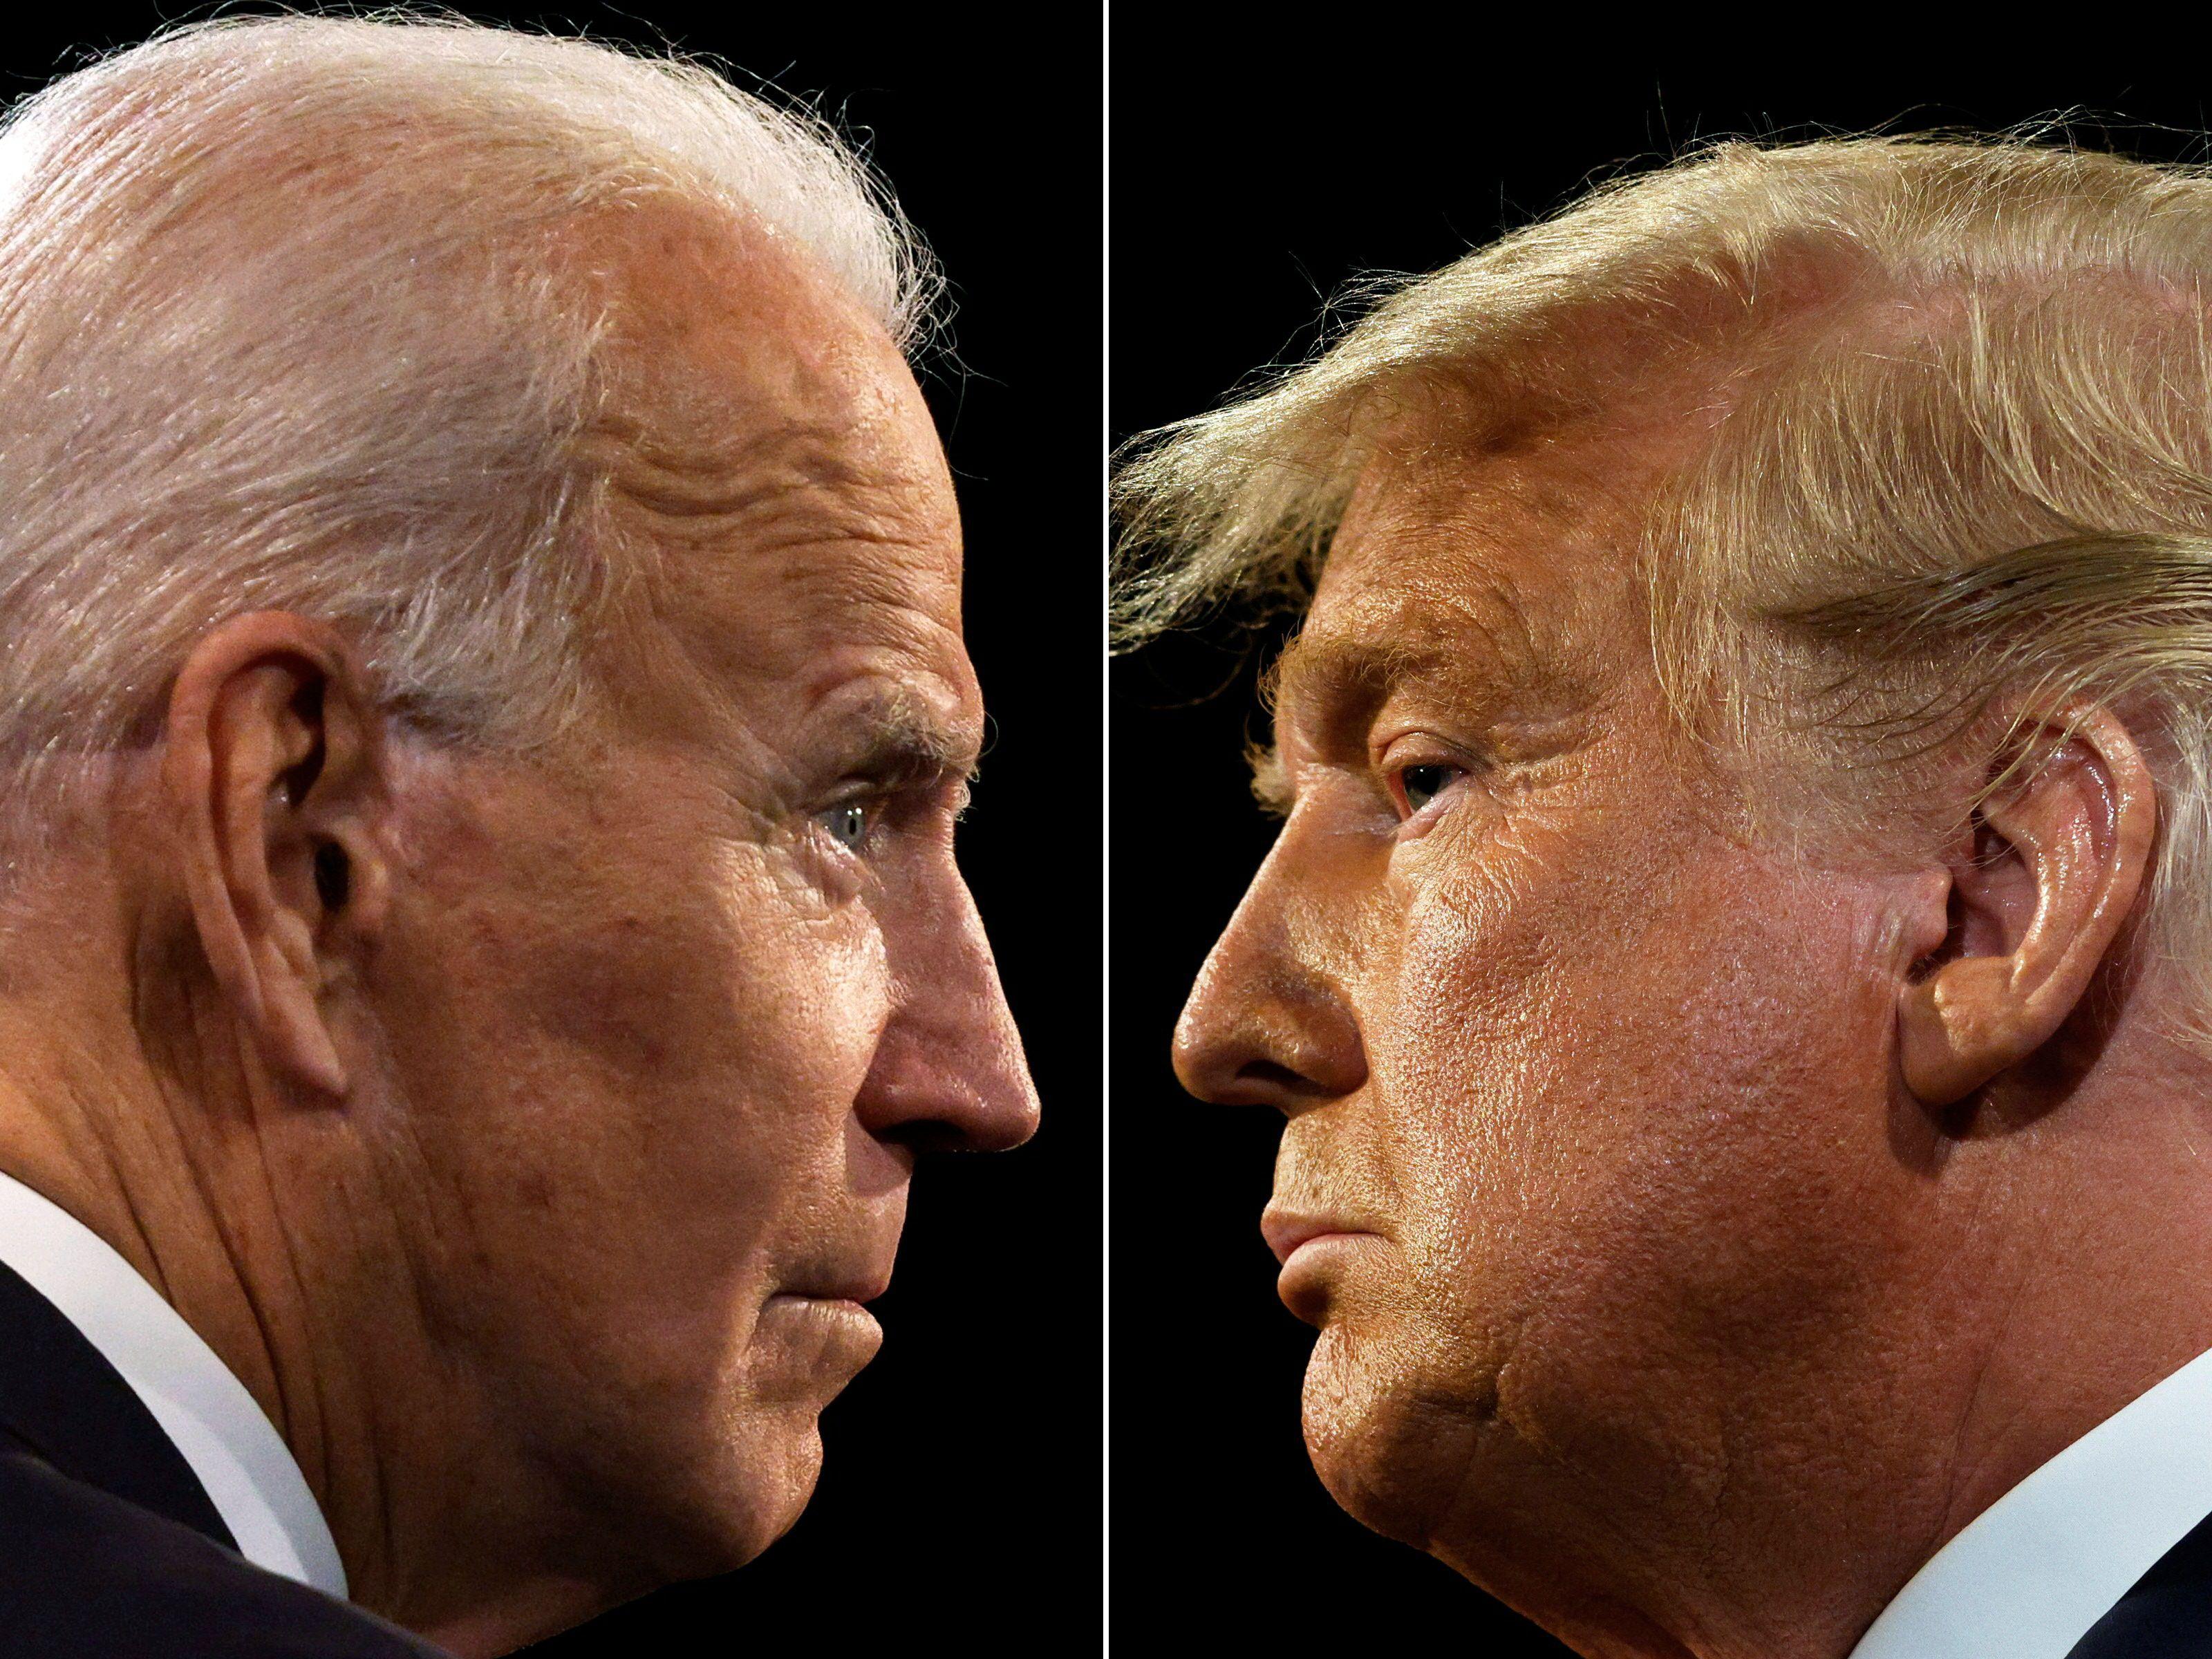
(144, 1122)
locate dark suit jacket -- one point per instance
(2167, 1614)
(109, 1546)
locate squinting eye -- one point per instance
(1423, 784)
(848, 825)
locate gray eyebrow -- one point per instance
(899, 738)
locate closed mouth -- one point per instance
(1285, 1231)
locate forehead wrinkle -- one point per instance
(710, 489)
(1483, 637)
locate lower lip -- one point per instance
(1306, 1268)
(834, 1305)
(1320, 1247)
(836, 1320)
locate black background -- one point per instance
(960, 1497)
(1249, 181)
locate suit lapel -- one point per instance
(62, 1400)
(2167, 1613)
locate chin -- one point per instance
(1392, 1442)
(711, 1467)
(765, 1480)
(785, 1492)
(713, 1500)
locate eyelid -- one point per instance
(1394, 780)
(884, 800)
(1392, 759)
(1423, 748)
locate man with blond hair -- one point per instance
(1736, 964)
(482, 706)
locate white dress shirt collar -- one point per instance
(243, 1463)
(2029, 1575)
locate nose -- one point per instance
(949, 1072)
(1269, 1022)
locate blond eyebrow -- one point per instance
(1484, 634)
(1349, 677)
(1345, 678)
(1270, 782)
(1333, 668)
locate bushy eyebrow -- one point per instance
(1338, 681)
(1339, 672)
(1347, 678)
(1270, 783)
(901, 741)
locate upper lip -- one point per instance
(857, 1284)
(1284, 1230)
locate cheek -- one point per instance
(626, 1075)
(1642, 1113)
(728, 1016)
(1501, 972)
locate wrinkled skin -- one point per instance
(534, 1184)
(706, 1036)
(1646, 1296)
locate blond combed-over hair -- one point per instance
(289, 318)
(1954, 395)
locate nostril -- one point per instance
(1267, 1033)
(1269, 1082)
(1267, 1074)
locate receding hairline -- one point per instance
(370, 415)
(701, 305)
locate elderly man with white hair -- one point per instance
(1736, 964)
(482, 708)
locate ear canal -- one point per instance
(333, 877)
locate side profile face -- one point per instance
(1591, 1139)
(671, 1008)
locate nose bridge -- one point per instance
(1244, 955)
(991, 1020)
(951, 1054)
(1272, 1005)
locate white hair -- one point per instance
(279, 327)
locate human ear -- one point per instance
(275, 770)
(2035, 904)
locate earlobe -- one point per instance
(2073, 844)
(275, 770)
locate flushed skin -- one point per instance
(533, 1175)
(1701, 1226)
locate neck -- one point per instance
(157, 1146)
(2061, 1279)
(129, 1098)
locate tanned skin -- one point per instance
(1701, 1228)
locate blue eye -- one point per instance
(1423, 784)
(848, 825)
